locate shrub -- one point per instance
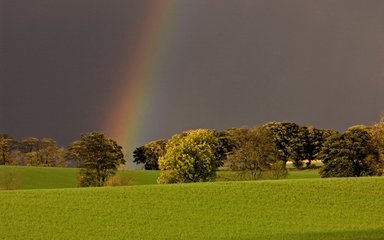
(9, 180)
(121, 178)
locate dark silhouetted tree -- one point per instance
(149, 154)
(351, 154)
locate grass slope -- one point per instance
(293, 174)
(345, 208)
(51, 177)
(47, 177)
(42, 177)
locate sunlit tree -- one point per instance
(98, 156)
(190, 157)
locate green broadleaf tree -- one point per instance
(256, 155)
(190, 157)
(351, 154)
(6, 148)
(98, 156)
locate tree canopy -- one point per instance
(149, 154)
(98, 156)
(190, 157)
(6, 148)
(285, 136)
(42, 152)
(351, 154)
(195, 155)
(256, 155)
(378, 136)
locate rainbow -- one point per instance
(137, 81)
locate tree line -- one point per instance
(96, 155)
(263, 152)
(195, 155)
(31, 152)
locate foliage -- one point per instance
(121, 178)
(227, 143)
(9, 180)
(256, 154)
(149, 154)
(7, 145)
(41, 152)
(98, 157)
(308, 144)
(228, 175)
(340, 208)
(298, 143)
(378, 137)
(351, 154)
(30, 144)
(294, 143)
(285, 136)
(190, 157)
(229, 139)
(139, 156)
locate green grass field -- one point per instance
(48, 178)
(41, 177)
(344, 208)
(292, 174)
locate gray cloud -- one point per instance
(231, 63)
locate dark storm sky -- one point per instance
(240, 63)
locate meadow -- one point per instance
(40, 177)
(342, 208)
(52, 177)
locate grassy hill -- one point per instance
(51, 177)
(40, 177)
(344, 208)
(48, 178)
